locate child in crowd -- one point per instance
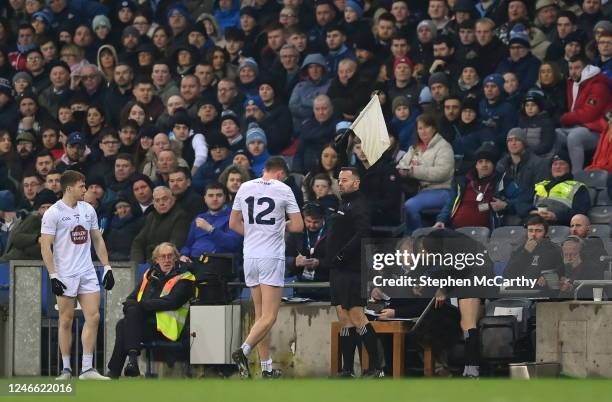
(321, 187)
(538, 123)
(403, 122)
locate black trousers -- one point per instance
(133, 329)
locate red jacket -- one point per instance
(592, 102)
(602, 160)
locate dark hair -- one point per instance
(321, 176)
(444, 39)
(125, 157)
(569, 15)
(453, 97)
(215, 185)
(141, 79)
(313, 209)
(44, 152)
(537, 220)
(69, 178)
(387, 17)
(354, 171)
(183, 170)
(581, 58)
(276, 163)
(108, 132)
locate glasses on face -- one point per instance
(89, 77)
(165, 257)
(34, 58)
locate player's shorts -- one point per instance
(264, 271)
(85, 283)
(345, 289)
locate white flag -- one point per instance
(371, 129)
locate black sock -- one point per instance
(370, 341)
(472, 348)
(347, 349)
(133, 356)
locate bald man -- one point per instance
(593, 248)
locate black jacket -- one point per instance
(348, 226)
(297, 243)
(151, 300)
(544, 257)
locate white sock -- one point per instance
(66, 362)
(266, 365)
(87, 361)
(473, 371)
(246, 349)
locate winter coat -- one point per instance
(540, 132)
(313, 137)
(588, 100)
(303, 96)
(221, 240)
(526, 69)
(530, 170)
(499, 116)
(434, 166)
(171, 227)
(602, 160)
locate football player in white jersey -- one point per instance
(71, 226)
(259, 214)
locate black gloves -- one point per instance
(57, 286)
(108, 281)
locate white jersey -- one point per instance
(264, 206)
(71, 228)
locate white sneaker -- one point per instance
(65, 375)
(92, 374)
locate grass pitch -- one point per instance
(322, 390)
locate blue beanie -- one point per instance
(255, 133)
(496, 79)
(355, 6)
(7, 201)
(254, 100)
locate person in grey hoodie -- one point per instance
(316, 83)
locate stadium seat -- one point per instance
(601, 214)
(558, 234)
(393, 231)
(499, 251)
(602, 231)
(592, 195)
(478, 233)
(592, 178)
(424, 231)
(603, 198)
(512, 234)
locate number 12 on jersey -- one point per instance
(260, 218)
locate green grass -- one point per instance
(419, 390)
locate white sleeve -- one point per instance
(201, 150)
(93, 218)
(292, 206)
(49, 222)
(237, 206)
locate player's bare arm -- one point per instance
(46, 241)
(236, 223)
(99, 246)
(295, 223)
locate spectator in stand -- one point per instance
(44, 163)
(179, 183)
(8, 218)
(25, 42)
(314, 133)
(521, 62)
(490, 49)
(316, 83)
(589, 98)
(495, 113)
(74, 11)
(23, 240)
(546, 17)
(119, 181)
(209, 232)
(482, 197)
(328, 163)
(348, 93)
(193, 144)
(256, 143)
(559, 198)
(168, 222)
(9, 112)
(430, 165)
(164, 85)
(593, 246)
(126, 222)
(232, 178)
(59, 91)
(142, 194)
(220, 158)
(274, 120)
(604, 46)
(538, 124)
(404, 121)
(602, 159)
(31, 185)
(552, 84)
(566, 24)
(403, 83)
(25, 145)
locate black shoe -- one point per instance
(375, 373)
(275, 373)
(242, 362)
(111, 374)
(345, 374)
(131, 370)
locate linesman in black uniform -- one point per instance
(349, 225)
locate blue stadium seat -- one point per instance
(4, 283)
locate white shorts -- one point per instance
(84, 283)
(264, 271)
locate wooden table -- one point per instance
(398, 329)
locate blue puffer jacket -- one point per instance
(500, 116)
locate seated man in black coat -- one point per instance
(156, 309)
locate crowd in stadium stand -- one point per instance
(167, 107)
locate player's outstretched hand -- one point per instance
(108, 280)
(57, 286)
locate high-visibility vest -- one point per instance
(171, 322)
(562, 193)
